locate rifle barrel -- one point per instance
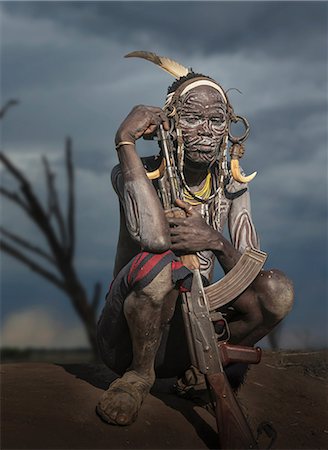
(169, 167)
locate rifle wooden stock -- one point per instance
(233, 429)
(190, 261)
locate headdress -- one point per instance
(181, 73)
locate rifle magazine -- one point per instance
(237, 280)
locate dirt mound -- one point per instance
(48, 406)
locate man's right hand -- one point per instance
(142, 121)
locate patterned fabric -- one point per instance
(145, 266)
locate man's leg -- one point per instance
(261, 307)
(147, 312)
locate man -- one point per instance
(140, 332)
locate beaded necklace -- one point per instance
(204, 193)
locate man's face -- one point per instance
(203, 116)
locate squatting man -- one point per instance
(140, 331)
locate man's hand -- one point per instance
(142, 121)
(191, 233)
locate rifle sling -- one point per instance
(237, 280)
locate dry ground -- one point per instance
(52, 406)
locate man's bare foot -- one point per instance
(120, 404)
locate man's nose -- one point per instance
(205, 129)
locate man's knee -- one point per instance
(275, 292)
(158, 289)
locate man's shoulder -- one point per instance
(232, 188)
(150, 164)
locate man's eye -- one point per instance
(218, 120)
(191, 119)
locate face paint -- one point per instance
(203, 122)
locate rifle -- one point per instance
(205, 352)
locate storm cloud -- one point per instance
(275, 28)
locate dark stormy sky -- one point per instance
(64, 62)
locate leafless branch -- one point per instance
(14, 197)
(96, 296)
(35, 209)
(13, 169)
(31, 264)
(53, 202)
(7, 105)
(70, 198)
(26, 187)
(24, 243)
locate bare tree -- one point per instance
(59, 231)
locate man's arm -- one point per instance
(241, 227)
(144, 216)
(127, 248)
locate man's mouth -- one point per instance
(205, 148)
